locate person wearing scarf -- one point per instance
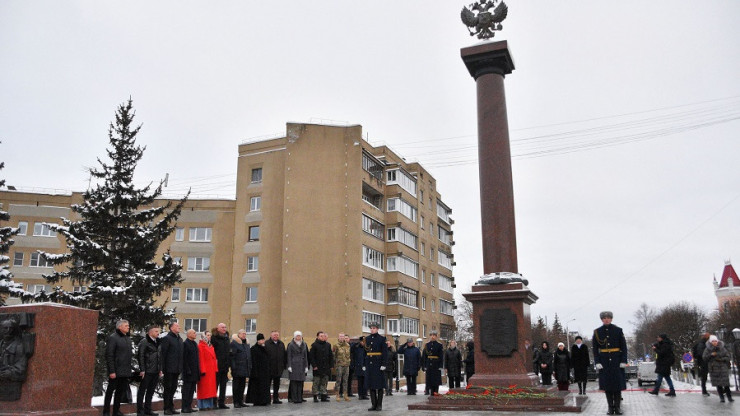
(297, 367)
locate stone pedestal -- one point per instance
(503, 346)
(60, 372)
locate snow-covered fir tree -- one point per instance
(113, 245)
(7, 286)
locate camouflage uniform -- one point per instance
(342, 358)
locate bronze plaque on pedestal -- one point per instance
(498, 332)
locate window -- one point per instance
(199, 264)
(251, 295)
(431, 228)
(432, 305)
(424, 330)
(409, 326)
(253, 263)
(404, 265)
(403, 179)
(398, 204)
(423, 303)
(372, 258)
(198, 294)
(372, 226)
(79, 289)
(255, 203)
(18, 258)
(445, 307)
(423, 276)
(403, 296)
(179, 234)
(445, 283)
(372, 290)
(446, 331)
(254, 233)
(423, 248)
(444, 235)
(175, 294)
(372, 197)
(43, 230)
(422, 222)
(393, 326)
(22, 227)
(421, 196)
(200, 234)
(431, 253)
(445, 260)
(199, 325)
(370, 317)
(177, 260)
(37, 288)
(372, 166)
(251, 326)
(37, 260)
(257, 175)
(406, 237)
(431, 279)
(443, 212)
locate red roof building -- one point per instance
(727, 289)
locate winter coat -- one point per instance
(276, 350)
(170, 352)
(149, 355)
(190, 361)
(411, 359)
(580, 360)
(610, 350)
(431, 361)
(208, 369)
(342, 355)
(544, 356)
(664, 350)
(222, 346)
(470, 359)
(321, 358)
(297, 361)
(377, 356)
(718, 362)
(453, 362)
(259, 378)
(392, 361)
(561, 365)
(241, 358)
(118, 354)
(698, 352)
(359, 352)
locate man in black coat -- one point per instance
(664, 350)
(149, 365)
(190, 371)
(118, 358)
(322, 361)
(221, 341)
(701, 366)
(259, 376)
(610, 357)
(376, 362)
(359, 352)
(170, 353)
(470, 361)
(276, 349)
(432, 362)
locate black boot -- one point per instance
(325, 398)
(721, 393)
(373, 401)
(671, 393)
(617, 403)
(729, 395)
(654, 391)
(610, 403)
(379, 403)
(315, 398)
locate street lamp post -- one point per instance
(734, 356)
(567, 333)
(396, 336)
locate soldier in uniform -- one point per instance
(610, 357)
(432, 363)
(375, 363)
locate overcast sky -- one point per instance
(623, 116)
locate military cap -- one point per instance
(606, 314)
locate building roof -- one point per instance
(729, 274)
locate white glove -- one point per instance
(622, 365)
(363, 368)
(382, 368)
(306, 371)
(599, 366)
(290, 369)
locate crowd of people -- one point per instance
(204, 361)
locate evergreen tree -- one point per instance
(112, 247)
(557, 333)
(7, 285)
(539, 332)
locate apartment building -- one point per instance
(326, 233)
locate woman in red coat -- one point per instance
(208, 368)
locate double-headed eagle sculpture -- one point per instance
(485, 22)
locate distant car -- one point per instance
(646, 373)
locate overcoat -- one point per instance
(432, 362)
(377, 356)
(561, 365)
(297, 361)
(259, 378)
(664, 350)
(170, 351)
(276, 350)
(321, 358)
(241, 358)
(359, 353)
(580, 361)
(470, 359)
(544, 356)
(221, 345)
(190, 361)
(208, 369)
(118, 354)
(698, 352)
(411, 359)
(610, 350)
(718, 364)
(453, 362)
(148, 353)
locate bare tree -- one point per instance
(464, 319)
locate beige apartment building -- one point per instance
(326, 233)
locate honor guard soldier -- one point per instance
(610, 357)
(432, 363)
(375, 363)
